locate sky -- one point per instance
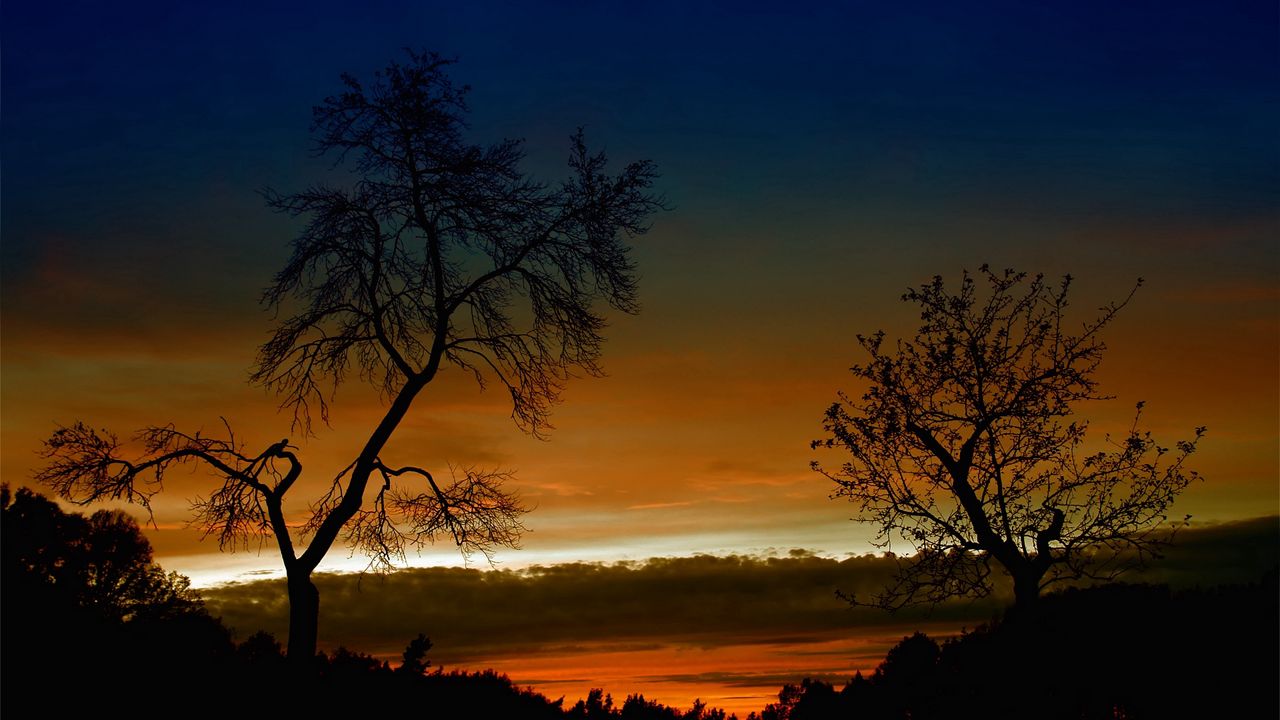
(818, 160)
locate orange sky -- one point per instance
(698, 438)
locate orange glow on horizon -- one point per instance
(739, 678)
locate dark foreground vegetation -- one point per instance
(1118, 651)
(90, 623)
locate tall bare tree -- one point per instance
(965, 445)
(440, 253)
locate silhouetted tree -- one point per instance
(442, 253)
(261, 648)
(963, 445)
(907, 680)
(101, 564)
(856, 693)
(913, 657)
(788, 697)
(636, 707)
(816, 700)
(700, 711)
(86, 612)
(597, 706)
(415, 656)
(345, 664)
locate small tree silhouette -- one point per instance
(442, 253)
(962, 445)
(415, 656)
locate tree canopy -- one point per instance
(966, 444)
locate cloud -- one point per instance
(700, 601)
(660, 506)
(747, 679)
(1217, 554)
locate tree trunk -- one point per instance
(304, 618)
(1026, 589)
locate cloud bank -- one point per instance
(697, 602)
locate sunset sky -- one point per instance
(818, 161)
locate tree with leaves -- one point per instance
(965, 444)
(101, 565)
(441, 253)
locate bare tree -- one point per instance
(439, 253)
(964, 445)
